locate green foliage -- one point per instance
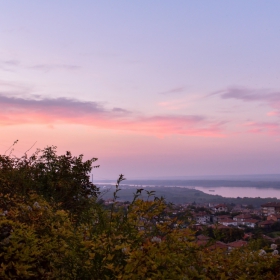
(226, 235)
(53, 227)
(35, 240)
(62, 180)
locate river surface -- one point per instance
(241, 191)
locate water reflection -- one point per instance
(241, 191)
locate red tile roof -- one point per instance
(243, 216)
(219, 244)
(254, 221)
(227, 221)
(267, 222)
(202, 237)
(238, 243)
(220, 205)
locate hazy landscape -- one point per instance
(204, 183)
(182, 97)
(185, 192)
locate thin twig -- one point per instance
(10, 147)
(30, 147)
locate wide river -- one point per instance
(229, 191)
(241, 191)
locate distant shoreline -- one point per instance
(189, 195)
(198, 183)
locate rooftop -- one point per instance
(271, 204)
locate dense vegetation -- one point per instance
(53, 226)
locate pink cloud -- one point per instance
(272, 113)
(272, 128)
(173, 104)
(38, 110)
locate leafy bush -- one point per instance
(53, 227)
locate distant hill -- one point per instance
(181, 195)
(202, 183)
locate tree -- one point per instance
(63, 180)
(52, 227)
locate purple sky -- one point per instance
(151, 88)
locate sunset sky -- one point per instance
(150, 88)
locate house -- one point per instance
(109, 201)
(198, 227)
(227, 246)
(240, 218)
(218, 226)
(218, 245)
(248, 235)
(236, 209)
(270, 208)
(228, 222)
(202, 239)
(250, 223)
(237, 244)
(220, 208)
(266, 224)
(245, 220)
(256, 212)
(217, 219)
(202, 218)
(273, 217)
(269, 239)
